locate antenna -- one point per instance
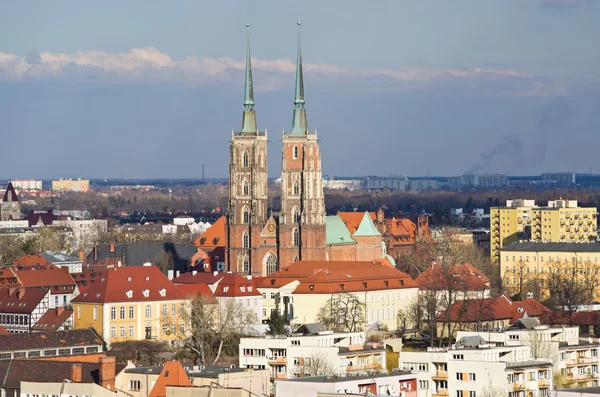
(202, 173)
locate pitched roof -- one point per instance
(41, 218)
(23, 370)
(46, 277)
(20, 299)
(59, 257)
(336, 232)
(84, 280)
(577, 318)
(142, 283)
(198, 278)
(53, 319)
(172, 374)
(43, 340)
(366, 228)
(491, 309)
(235, 285)
(10, 194)
(136, 254)
(352, 220)
(464, 276)
(193, 290)
(214, 236)
(32, 261)
(401, 227)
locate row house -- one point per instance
(21, 308)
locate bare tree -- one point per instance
(541, 346)
(317, 364)
(342, 313)
(52, 239)
(165, 262)
(11, 249)
(566, 288)
(494, 391)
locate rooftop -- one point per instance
(553, 247)
(59, 257)
(43, 340)
(197, 371)
(348, 377)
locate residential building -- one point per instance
(397, 383)
(560, 178)
(60, 259)
(369, 242)
(239, 290)
(10, 208)
(27, 184)
(212, 242)
(559, 221)
(71, 185)
(85, 231)
(61, 285)
(21, 308)
(342, 184)
(289, 357)
(530, 265)
(50, 344)
(420, 185)
(131, 303)
(27, 262)
(59, 319)
(398, 183)
(474, 367)
(463, 281)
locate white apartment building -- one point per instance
(474, 368)
(291, 357)
(86, 231)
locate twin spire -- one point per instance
(299, 125)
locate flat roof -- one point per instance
(349, 377)
(205, 372)
(527, 364)
(553, 247)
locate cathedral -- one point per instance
(258, 242)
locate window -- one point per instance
(423, 384)
(246, 188)
(459, 393)
(245, 161)
(94, 312)
(165, 329)
(272, 295)
(295, 152)
(472, 393)
(113, 332)
(122, 313)
(113, 313)
(131, 331)
(246, 264)
(459, 376)
(122, 331)
(165, 311)
(131, 312)
(246, 216)
(296, 189)
(471, 377)
(148, 311)
(173, 310)
(245, 240)
(182, 328)
(135, 385)
(458, 357)
(295, 237)
(79, 313)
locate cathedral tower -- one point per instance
(247, 205)
(302, 218)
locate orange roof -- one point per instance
(53, 319)
(353, 219)
(464, 276)
(172, 374)
(142, 283)
(32, 261)
(54, 277)
(401, 227)
(3, 331)
(195, 277)
(235, 285)
(214, 236)
(492, 309)
(193, 290)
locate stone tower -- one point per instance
(302, 219)
(247, 205)
(11, 207)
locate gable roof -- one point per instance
(172, 374)
(143, 283)
(198, 278)
(336, 232)
(43, 340)
(46, 277)
(491, 309)
(21, 300)
(59, 257)
(401, 227)
(366, 228)
(13, 194)
(214, 236)
(85, 279)
(32, 261)
(352, 220)
(464, 277)
(53, 319)
(136, 254)
(235, 285)
(193, 290)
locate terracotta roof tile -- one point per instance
(173, 374)
(235, 285)
(193, 290)
(214, 236)
(53, 319)
(46, 277)
(198, 278)
(32, 261)
(465, 277)
(492, 309)
(20, 299)
(43, 340)
(353, 219)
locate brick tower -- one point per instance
(247, 205)
(301, 234)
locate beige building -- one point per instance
(528, 266)
(71, 185)
(559, 221)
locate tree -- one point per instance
(342, 313)
(165, 262)
(317, 364)
(566, 288)
(210, 325)
(52, 239)
(277, 324)
(144, 352)
(11, 249)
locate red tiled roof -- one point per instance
(32, 261)
(46, 277)
(137, 280)
(8, 278)
(198, 278)
(353, 219)
(577, 318)
(85, 279)
(20, 299)
(10, 188)
(465, 277)
(193, 290)
(53, 319)
(172, 374)
(235, 285)
(3, 331)
(214, 236)
(51, 339)
(491, 309)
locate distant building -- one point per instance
(60, 259)
(86, 231)
(399, 183)
(27, 184)
(71, 185)
(341, 184)
(419, 185)
(482, 180)
(10, 208)
(560, 178)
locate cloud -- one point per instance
(150, 65)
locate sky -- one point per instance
(153, 89)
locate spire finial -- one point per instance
(249, 118)
(299, 125)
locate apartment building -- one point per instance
(71, 185)
(21, 308)
(558, 221)
(291, 357)
(532, 264)
(131, 303)
(473, 367)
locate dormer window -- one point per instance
(225, 289)
(146, 293)
(249, 289)
(147, 278)
(128, 278)
(243, 289)
(129, 294)
(311, 287)
(162, 292)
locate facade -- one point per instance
(71, 185)
(27, 184)
(559, 221)
(530, 266)
(60, 260)
(342, 184)
(397, 383)
(85, 231)
(10, 208)
(239, 290)
(256, 243)
(58, 281)
(475, 368)
(131, 303)
(560, 178)
(393, 183)
(21, 308)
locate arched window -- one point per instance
(295, 215)
(295, 259)
(148, 311)
(295, 152)
(113, 313)
(246, 264)
(245, 240)
(270, 263)
(173, 310)
(246, 188)
(165, 311)
(131, 313)
(245, 159)
(296, 189)
(122, 313)
(246, 215)
(295, 237)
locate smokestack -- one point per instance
(76, 369)
(107, 372)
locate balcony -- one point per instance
(543, 383)
(519, 386)
(279, 376)
(440, 393)
(440, 375)
(278, 361)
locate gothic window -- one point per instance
(246, 188)
(245, 159)
(295, 152)
(295, 215)
(246, 215)
(271, 263)
(246, 264)
(295, 237)
(245, 240)
(296, 188)
(295, 259)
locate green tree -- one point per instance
(277, 324)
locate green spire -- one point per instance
(299, 125)
(248, 117)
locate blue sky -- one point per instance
(393, 86)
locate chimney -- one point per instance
(60, 310)
(112, 247)
(170, 274)
(177, 273)
(81, 255)
(20, 293)
(76, 372)
(107, 372)
(194, 272)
